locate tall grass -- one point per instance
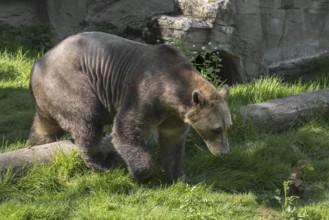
(15, 68)
(243, 185)
(268, 88)
(16, 104)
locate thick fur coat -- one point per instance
(93, 79)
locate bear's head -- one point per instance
(211, 119)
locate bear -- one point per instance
(93, 79)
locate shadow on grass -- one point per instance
(262, 165)
(16, 113)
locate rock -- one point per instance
(259, 34)
(125, 16)
(66, 16)
(255, 35)
(215, 22)
(18, 12)
(284, 31)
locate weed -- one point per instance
(205, 59)
(208, 62)
(297, 182)
(293, 190)
(288, 204)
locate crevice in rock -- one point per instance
(229, 70)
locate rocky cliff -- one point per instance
(251, 36)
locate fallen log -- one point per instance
(41, 154)
(286, 112)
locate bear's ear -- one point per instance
(224, 92)
(197, 98)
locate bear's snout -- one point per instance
(218, 149)
(224, 153)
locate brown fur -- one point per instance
(93, 79)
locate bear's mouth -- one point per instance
(216, 151)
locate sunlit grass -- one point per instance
(16, 104)
(15, 68)
(272, 88)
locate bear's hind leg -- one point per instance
(44, 130)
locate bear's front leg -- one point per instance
(172, 135)
(128, 138)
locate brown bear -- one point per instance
(93, 79)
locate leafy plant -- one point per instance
(293, 189)
(208, 62)
(297, 183)
(205, 59)
(288, 204)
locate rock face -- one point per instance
(67, 17)
(124, 17)
(284, 30)
(18, 12)
(251, 36)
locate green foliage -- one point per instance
(288, 204)
(241, 185)
(268, 88)
(210, 65)
(293, 190)
(15, 67)
(206, 59)
(16, 103)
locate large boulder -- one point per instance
(251, 36)
(215, 22)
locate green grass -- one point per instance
(243, 185)
(16, 104)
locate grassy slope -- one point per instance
(242, 185)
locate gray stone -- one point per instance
(17, 12)
(284, 30)
(66, 16)
(124, 15)
(254, 35)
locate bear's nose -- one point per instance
(225, 152)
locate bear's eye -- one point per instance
(217, 130)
